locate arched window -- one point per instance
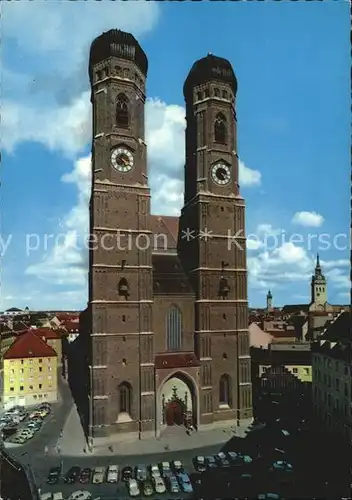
(220, 129)
(225, 390)
(174, 329)
(123, 288)
(125, 397)
(122, 111)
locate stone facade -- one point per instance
(179, 309)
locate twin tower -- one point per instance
(167, 329)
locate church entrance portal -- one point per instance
(177, 402)
(174, 413)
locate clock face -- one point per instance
(221, 174)
(122, 159)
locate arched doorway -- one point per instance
(175, 413)
(177, 402)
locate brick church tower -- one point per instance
(120, 282)
(166, 329)
(215, 261)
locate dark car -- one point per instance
(127, 473)
(54, 475)
(85, 475)
(211, 462)
(199, 463)
(72, 475)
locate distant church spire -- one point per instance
(318, 262)
(318, 272)
(318, 285)
(269, 301)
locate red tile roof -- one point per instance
(29, 345)
(168, 226)
(66, 316)
(47, 333)
(71, 326)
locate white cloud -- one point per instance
(254, 243)
(63, 31)
(66, 128)
(340, 278)
(57, 36)
(290, 265)
(66, 262)
(165, 124)
(247, 176)
(308, 219)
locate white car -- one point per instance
(177, 466)
(133, 488)
(46, 496)
(113, 474)
(165, 468)
(58, 496)
(159, 485)
(80, 495)
(154, 470)
(98, 475)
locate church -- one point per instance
(167, 317)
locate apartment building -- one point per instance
(332, 377)
(29, 372)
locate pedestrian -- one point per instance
(58, 449)
(46, 451)
(61, 433)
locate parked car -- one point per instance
(211, 462)
(80, 495)
(17, 439)
(154, 470)
(173, 485)
(46, 496)
(223, 460)
(199, 463)
(159, 485)
(34, 425)
(141, 473)
(165, 469)
(185, 482)
(54, 475)
(177, 466)
(58, 496)
(148, 489)
(113, 474)
(267, 496)
(133, 488)
(127, 473)
(72, 475)
(98, 475)
(85, 475)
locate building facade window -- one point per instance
(174, 329)
(224, 390)
(220, 129)
(125, 397)
(122, 111)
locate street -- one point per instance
(41, 468)
(317, 469)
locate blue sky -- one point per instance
(292, 63)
